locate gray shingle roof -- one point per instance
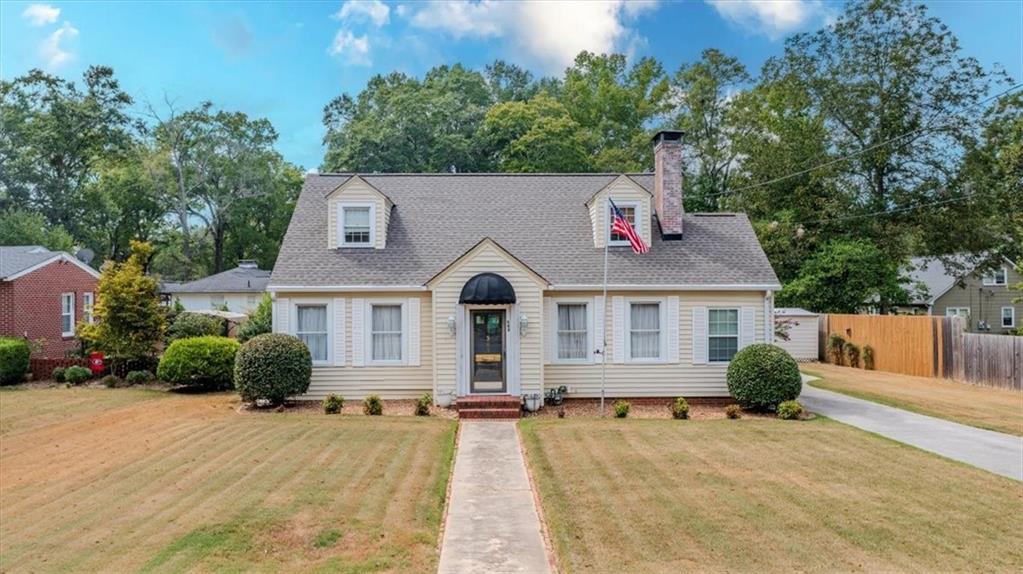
(540, 219)
(17, 258)
(237, 280)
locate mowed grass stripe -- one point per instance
(764, 495)
(237, 492)
(25, 410)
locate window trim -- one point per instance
(69, 297)
(293, 324)
(637, 225)
(955, 312)
(88, 306)
(367, 327)
(992, 279)
(588, 313)
(1012, 318)
(662, 338)
(342, 206)
(738, 333)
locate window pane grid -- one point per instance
(356, 224)
(723, 334)
(572, 331)
(386, 332)
(630, 215)
(312, 329)
(645, 330)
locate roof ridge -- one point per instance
(481, 174)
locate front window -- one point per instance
(1008, 317)
(312, 329)
(629, 211)
(999, 277)
(87, 303)
(645, 331)
(572, 334)
(723, 332)
(355, 222)
(957, 312)
(386, 332)
(67, 314)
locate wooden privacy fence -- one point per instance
(929, 346)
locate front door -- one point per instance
(487, 357)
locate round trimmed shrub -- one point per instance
(272, 367)
(188, 325)
(138, 377)
(372, 406)
(680, 408)
(14, 355)
(622, 409)
(790, 410)
(761, 376)
(333, 404)
(205, 363)
(77, 375)
(58, 374)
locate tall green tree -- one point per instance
(538, 135)
(20, 227)
(54, 134)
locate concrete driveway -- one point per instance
(997, 452)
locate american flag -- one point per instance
(621, 227)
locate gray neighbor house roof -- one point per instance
(17, 258)
(241, 279)
(541, 219)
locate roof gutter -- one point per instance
(342, 288)
(675, 287)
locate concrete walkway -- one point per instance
(994, 451)
(492, 524)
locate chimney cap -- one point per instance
(668, 135)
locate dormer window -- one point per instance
(628, 209)
(999, 277)
(355, 221)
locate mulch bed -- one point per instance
(644, 409)
(392, 407)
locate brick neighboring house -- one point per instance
(43, 295)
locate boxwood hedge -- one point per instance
(762, 376)
(14, 355)
(205, 363)
(272, 367)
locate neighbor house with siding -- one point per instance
(492, 284)
(239, 289)
(984, 299)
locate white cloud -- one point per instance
(373, 10)
(40, 14)
(551, 33)
(773, 18)
(52, 49)
(353, 49)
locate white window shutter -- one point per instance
(339, 332)
(618, 328)
(700, 335)
(672, 329)
(413, 332)
(598, 315)
(747, 330)
(550, 350)
(283, 314)
(358, 332)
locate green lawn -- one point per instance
(982, 407)
(764, 496)
(124, 480)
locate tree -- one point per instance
(18, 227)
(891, 83)
(129, 320)
(615, 103)
(53, 136)
(510, 83)
(844, 277)
(260, 320)
(537, 135)
(706, 93)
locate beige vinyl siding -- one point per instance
(622, 190)
(447, 287)
(390, 382)
(658, 380)
(357, 191)
(803, 337)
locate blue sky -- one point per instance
(285, 61)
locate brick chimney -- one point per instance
(668, 183)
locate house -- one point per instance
(478, 284)
(43, 295)
(986, 300)
(802, 332)
(239, 290)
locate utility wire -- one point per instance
(890, 211)
(859, 152)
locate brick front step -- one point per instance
(488, 402)
(489, 413)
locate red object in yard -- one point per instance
(96, 363)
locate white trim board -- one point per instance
(676, 287)
(59, 257)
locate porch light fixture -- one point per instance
(451, 325)
(523, 323)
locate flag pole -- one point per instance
(603, 317)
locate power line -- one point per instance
(859, 152)
(890, 211)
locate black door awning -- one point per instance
(487, 289)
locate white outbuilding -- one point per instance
(801, 327)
